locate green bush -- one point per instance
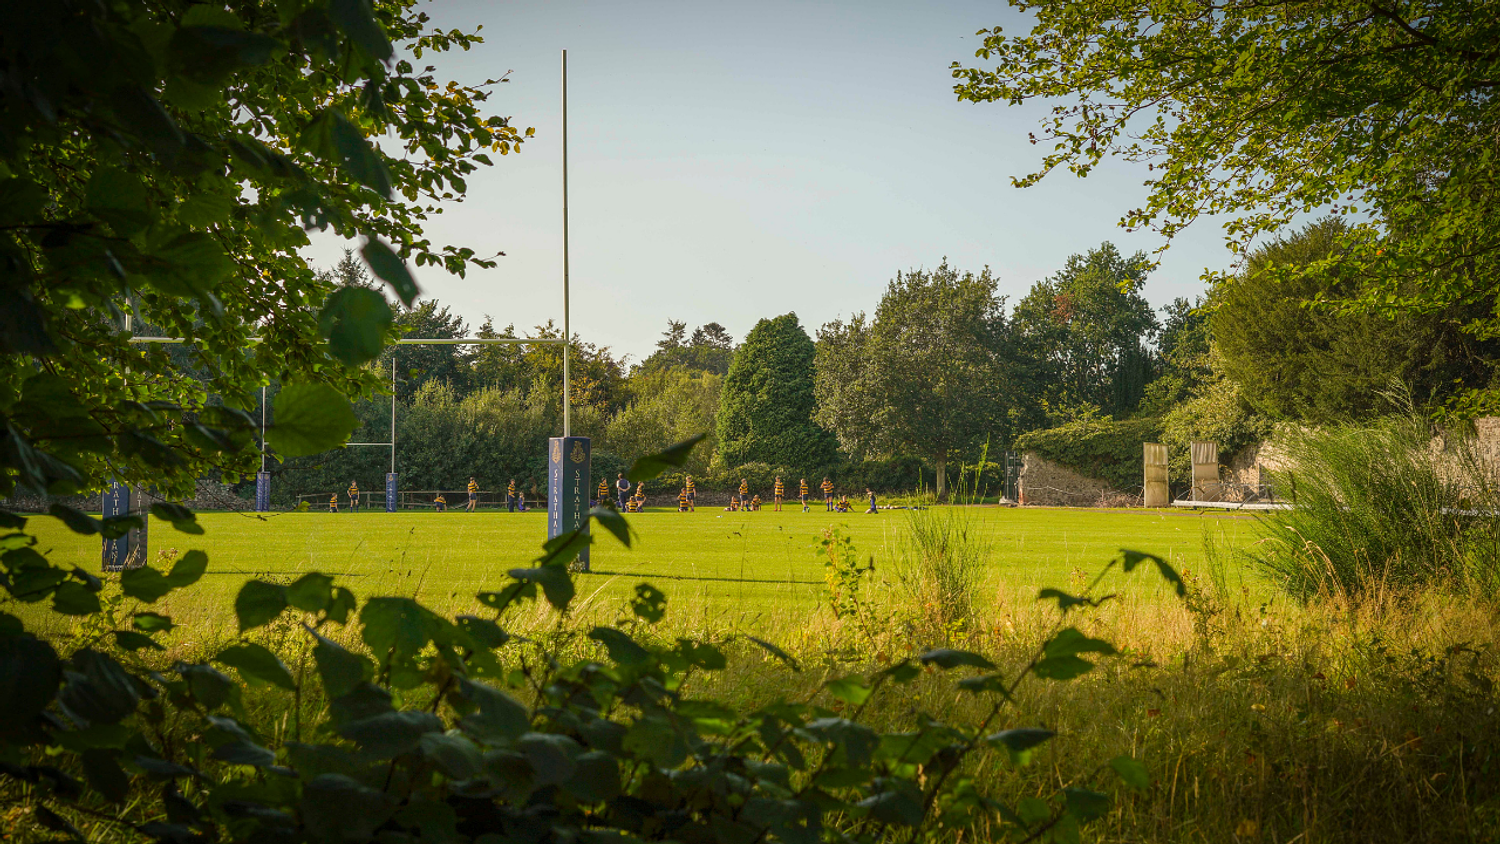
(1101, 448)
(1376, 510)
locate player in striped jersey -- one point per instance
(827, 487)
(333, 503)
(779, 493)
(473, 494)
(802, 494)
(603, 491)
(682, 501)
(744, 492)
(692, 494)
(353, 496)
(440, 503)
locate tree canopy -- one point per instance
(766, 406)
(1383, 114)
(160, 164)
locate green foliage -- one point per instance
(1302, 363)
(709, 350)
(450, 729)
(159, 167)
(1217, 413)
(1099, 447)
(928, 375)
(1377, 509)
(766, 406)
(1082, 330)
(671, 405)
(1383, 114)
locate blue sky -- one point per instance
(733, 162)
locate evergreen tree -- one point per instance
(766, 407)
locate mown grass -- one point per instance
(745, 569)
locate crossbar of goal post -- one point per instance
(263, 478)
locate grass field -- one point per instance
(740, 568)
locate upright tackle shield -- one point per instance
(390, 491)
(262, 492)
(568, 488)
(128, 551)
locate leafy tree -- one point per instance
(927, 376)
(671, 406)
(1298, 362)
(1084, 329)
(418, 364)
(597, 376)
(709, 350)
(1182, 356)
(766, 406)
(160, 164)
(1383, 114)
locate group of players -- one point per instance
(515, 499)
(634, 500)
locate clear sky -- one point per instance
(730, 162)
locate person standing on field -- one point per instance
(778, 494)
(744, 491)
(473, 494)
(510, 496)
(692, 494)
(622, 486)
(682, 501)
(353, 496)
(803, 495)
(827, 487)
(871, 493)
(603, 492)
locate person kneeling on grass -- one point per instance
(440, 503)
(755, 502)
(333, 503)
(520, 502)
(871, 493)
(843, 505)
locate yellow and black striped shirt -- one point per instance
(603, 490)
(804, 488)
(473, 487)
(691, 487)
(440, 500)
(354, 489)
(780, 488)
(682, 499)
(827, 487)
(510, 489)
(744, 488)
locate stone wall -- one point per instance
(1044, 482)
(210, 495)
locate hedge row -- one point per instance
(1102, 448)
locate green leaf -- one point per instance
(389, 267)
(622, 649)
(1086, 805)
(851, 690)
(1061, 667)
(208, 685)
(75, 599)
(257, 665)
(947, 658)
(554, 579)
(337, 808)
(130, 640)
(1070, 641)
(188, 570)
(1168, 573)
(1065, 601)
(455, 755)
(21, 200)
(652, 465)
(30, 675)
(901, 805)
(485, 633)
(311, 592)
(258, 603)
(551, 756)
(780, 654)
(1131, 772)
(612, 522)
(244, 753)
(358, 22)
(1020, 738)
(356, 321)
(338, 668)
(152, 622)
(119, 199)
(500, 716)
(309, 418)
(391, 733)
(105, 775)
(149, 585)
(76, 521)
(181, 517)
(650, 604)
